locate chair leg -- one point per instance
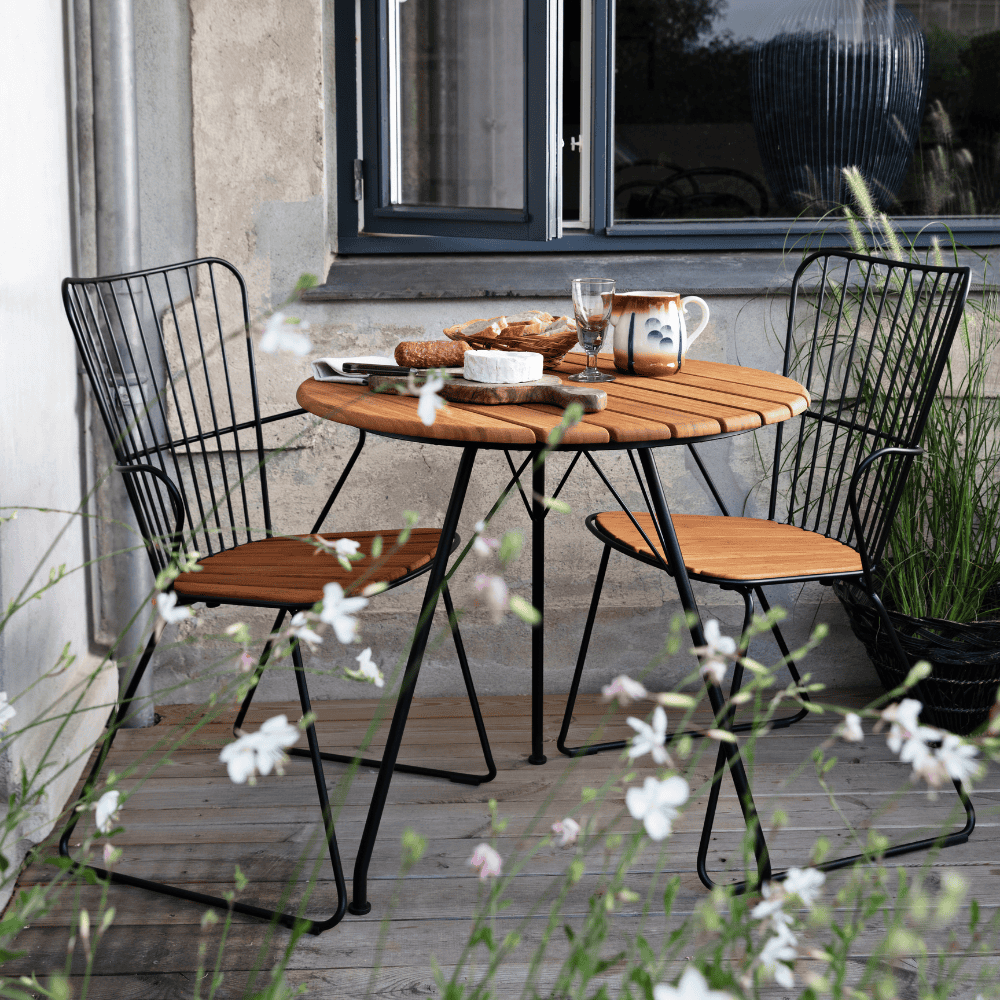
(581, 659)
(750, 816)
(459, 777)
(897, 850)
(258, 673)
(120, 878)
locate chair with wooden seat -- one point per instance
(868, 338)
(170, 359)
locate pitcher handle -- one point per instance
(691, 337)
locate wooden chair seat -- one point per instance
(291, 570)
(739, 548)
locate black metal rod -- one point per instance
(538, 600)
(580, 661)
(359, 903)
(731, 750)
(362, 437)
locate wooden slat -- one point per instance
(740, 548)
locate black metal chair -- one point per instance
(170, 359)
(868, 338)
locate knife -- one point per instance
(355, 368)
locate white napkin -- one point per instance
(332, 369)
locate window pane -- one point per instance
(686, 144)
(457, 103)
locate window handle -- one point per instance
(576, 143)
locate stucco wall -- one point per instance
(262, 111)
(42, 444)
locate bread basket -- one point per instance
(552, 348)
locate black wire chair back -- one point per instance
(869, 338)
(170, 359)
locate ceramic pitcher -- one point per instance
(650, 332)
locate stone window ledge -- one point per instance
(539, 276)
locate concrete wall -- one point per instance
(42, 440)
(262, 116)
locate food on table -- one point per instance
(477, 328)
(431, 353)
(503, 367)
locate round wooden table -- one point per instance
(704, 401)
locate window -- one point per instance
(587, 125)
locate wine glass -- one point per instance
(592, 299)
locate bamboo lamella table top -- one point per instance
(705, 399)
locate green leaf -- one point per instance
(510, 547)
(376, 546)
(306, 281)
(670, 894)
(524, 610)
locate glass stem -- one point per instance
(591, 361)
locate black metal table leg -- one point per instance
(538, 600)
(359, 904)
(675, 559)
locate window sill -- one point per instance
(547, 275)
(544, 275)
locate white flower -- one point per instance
(717, 647)
(299, 628)
(429, 400)
(7, 711)
(338, 611)
(956, 757)
(367, 669)
(714, 670)
(905, 726)
(779, 949)
(342, 548)
(494, 590)
(247, 663)
(716, 644)
(166, 608)
(656, 803)
(483, 546)
(568, 830)
(692, 986)
(262, 751)
(772, 903)
(623, 689)
(486, 860)
(806, 883)
(285, 335)
(850, 729)
(106, 811)
(650, 739)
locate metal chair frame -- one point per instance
(848, 489)
(126, 351)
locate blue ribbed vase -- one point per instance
(838, 83)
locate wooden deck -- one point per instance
(188, 824)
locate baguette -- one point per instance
(524, 328)
(477, 328)
(431, 353)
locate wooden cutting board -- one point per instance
(548, 389)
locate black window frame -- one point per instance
(497, 230)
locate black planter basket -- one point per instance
(965, 660)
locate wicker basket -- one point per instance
(553, 349)
(965, 659)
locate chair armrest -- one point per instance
(852, 500)
(176, 500)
